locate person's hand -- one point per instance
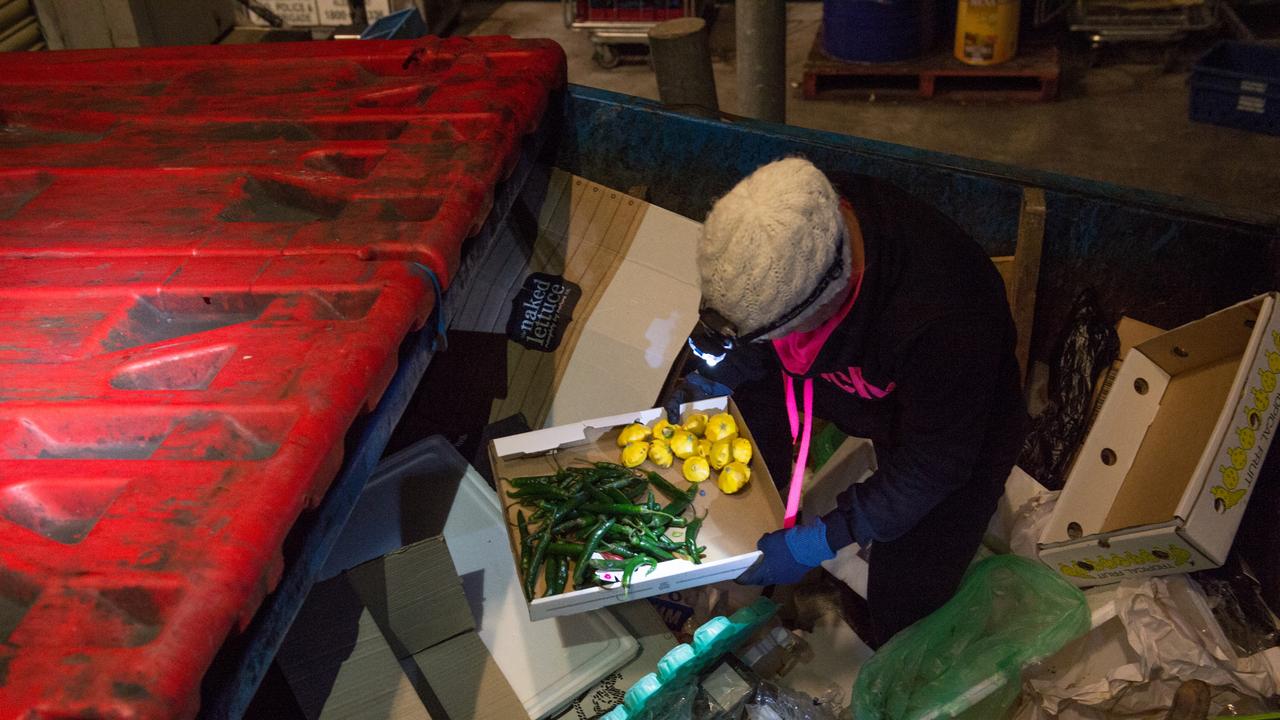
(786, 555)
(691, 388)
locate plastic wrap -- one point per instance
(1236, 600)
(1088, 346)
(771, 702)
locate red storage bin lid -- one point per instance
(206, 269)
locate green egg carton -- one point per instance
(682, 666)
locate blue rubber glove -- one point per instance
(692, 387)
(788, 554)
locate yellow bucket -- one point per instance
(986, 31)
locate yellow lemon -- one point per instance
(696, 469)
(660, 453)
(721, 454)
(741, 450)
(635, 432)
(696, 423)
(704, 447)
(721, 426)
(634, 454)
(733, 478)
(683, 444)
(663, 429)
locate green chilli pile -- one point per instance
(600, 517)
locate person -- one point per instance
(889, 322)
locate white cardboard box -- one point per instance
(325, 13)
(1162, 479)
(733, 525)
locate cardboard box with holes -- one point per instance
(1162, 479)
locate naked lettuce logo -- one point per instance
(542, 310)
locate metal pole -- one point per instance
(762, 58)
(681, 55)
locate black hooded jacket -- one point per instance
(923, 365)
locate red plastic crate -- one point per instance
(206, 270)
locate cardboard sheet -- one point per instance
(595, 293)
(337, 673)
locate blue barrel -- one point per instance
(877, 30)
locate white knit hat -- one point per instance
(767, 244)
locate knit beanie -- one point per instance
(767, 244)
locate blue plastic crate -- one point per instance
(402, 25)
(1238, 85)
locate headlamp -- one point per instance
(714, 336)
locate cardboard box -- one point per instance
(339, 666)
(1162, 479)
(394, 638)
(1130, 332)
(734, 522)
(596, 298)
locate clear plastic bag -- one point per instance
(776, 703)
(969, 654)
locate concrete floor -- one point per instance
(1121, 121)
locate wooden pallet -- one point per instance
(1031, 76)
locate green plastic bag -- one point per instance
(967, 657)
(826, 441)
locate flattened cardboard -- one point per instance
(415, 595)
(734, 522)
(467, 681)
(632, 272)
(1173, 452)
(339, 676)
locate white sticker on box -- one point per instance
(299, 13)
(1253, 86)
(1248, 103)
(335, 12)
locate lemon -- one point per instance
(634, 453)
(704, 447)
(660, 453)
(683, 444)
(696, 423)
(696, 469)
(741, 448)
(721, 454)
(733, 478)
(663, 429)
(634, 432)
(721, 426)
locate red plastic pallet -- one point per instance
(206, 269)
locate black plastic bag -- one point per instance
(1088, 346)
